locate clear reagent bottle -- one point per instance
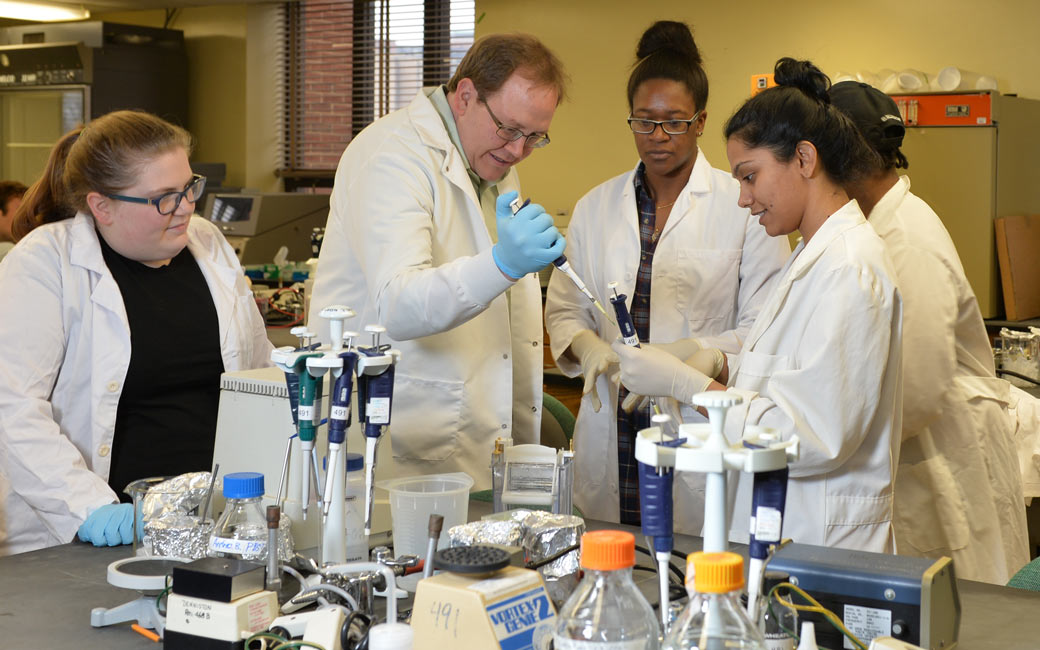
(607, 610)
(714, 618)
(241, 531)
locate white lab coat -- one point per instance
(823, 361)
(406, 246)
(711, 274)
(65, 349)
(958, 489)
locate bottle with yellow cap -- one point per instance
(714, 617)
(607, 611)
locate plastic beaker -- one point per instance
(413, 499)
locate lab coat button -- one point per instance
(534, 344)
(103, 450)
(505, 426)
(113, 386)
(505, 356)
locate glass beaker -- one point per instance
(138, 491)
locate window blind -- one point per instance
(349, 62)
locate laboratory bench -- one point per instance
(46, 597)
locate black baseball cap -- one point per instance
(872, 111)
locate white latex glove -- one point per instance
(706, 360)
(595, 357)
(681, 349)
(653, 372)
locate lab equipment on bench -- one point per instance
(532, 476)
(257, 224)
(254, 428)
(714, 617)
(704, 448)
(478, 599)
(146, 575)
(562, 264)
(876, 595)
(375, 388)
(655, 506)
(777, 620)
(607, 610)
(241, 531)
(414, 498)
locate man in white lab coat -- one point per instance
(958, 489)
(421, 239)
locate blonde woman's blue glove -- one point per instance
(109, 525)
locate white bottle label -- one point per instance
(237, 546)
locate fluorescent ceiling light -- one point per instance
(41, 12)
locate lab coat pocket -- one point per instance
(426, 417)
(705, 283)
(931, 511)
(752, 370)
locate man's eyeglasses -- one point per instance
(167, 203)
(671, 127)
(510, 134)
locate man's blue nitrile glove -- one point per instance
(527, 242)
(109, 525)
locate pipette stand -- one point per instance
(706, 450)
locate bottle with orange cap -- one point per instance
(607, 610)
(714, 617)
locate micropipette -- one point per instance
(309, 389)
(768, 498)
(628, 329)
(655, 511)
(375, 388)
(562, 263)
(339, 420)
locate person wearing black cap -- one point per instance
(958, 487)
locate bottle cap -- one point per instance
(607, 550)
(355, 461)
(243, 485)
(716, 573)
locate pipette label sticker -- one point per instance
(866, 623)
(523, 622)
(378, 410)
(237, 546)
(339, 412)
(306, 412)
(766, 523)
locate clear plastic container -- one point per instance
(241, 531)
(777, 622)
(607, 610)
(413, 499)
(354, 519)
(714, 617)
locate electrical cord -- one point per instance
(814, 606)
(364, 624)
(552, 558)
(1018, 375)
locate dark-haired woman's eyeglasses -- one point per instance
(167, 203)
(671, 127)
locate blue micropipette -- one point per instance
(768, 498)
(339, 421)
(627, 327)
(562, 263)
(375, 389)
(655, 513)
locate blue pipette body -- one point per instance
(768, 498)
(339, 415)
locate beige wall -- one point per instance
(597, 40)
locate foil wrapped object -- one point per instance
(548, 534)
(510, 533)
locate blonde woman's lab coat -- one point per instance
(407, 247)
(711, 273)
(65, 351)
(823, 362)
(958, 489)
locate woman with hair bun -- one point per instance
(822, 360)
(128, 310)
(694, 265)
